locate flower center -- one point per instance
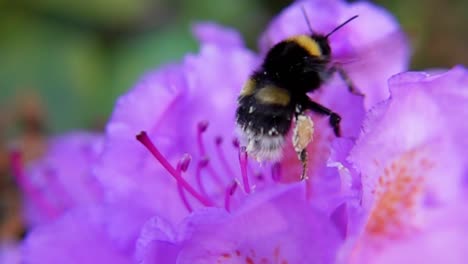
(200, 191)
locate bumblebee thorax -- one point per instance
(315, 45)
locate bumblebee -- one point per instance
(275, 95)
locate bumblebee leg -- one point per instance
(320, 109)
(303, 158)
(345, 77)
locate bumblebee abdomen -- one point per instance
(265, 110)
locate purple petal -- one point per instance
(276, 225)
(63, 178)
(211, 33)
(10, 253)
(412, 156)
(156, 243)
(78, 237)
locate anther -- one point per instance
(201, 128)
(182, 166)
(184, 162)
(236, 143)
(228, 194)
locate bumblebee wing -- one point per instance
(369, 67)
(378, 55)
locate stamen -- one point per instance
(201, 164)
(227, 197)
(222, 157)
(146, 141)
(236, 143)
(182, 166)
(243, 165)
(276, 172)
(184, 163)
(201, 129)
(26, 186)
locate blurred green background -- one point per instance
(63, 63)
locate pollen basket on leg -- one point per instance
(303, 132)
(398, 196)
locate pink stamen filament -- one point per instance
(223, 159)
(182, 167)
(236, 144)
(243, 165)
(27, 188)
(201, 164)
(228, 194)
(146, 141)
(201, 128)
(276, 172)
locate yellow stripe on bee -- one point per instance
(249, 88)
(308, 44)
(273, 95)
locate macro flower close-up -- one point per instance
(320, 145)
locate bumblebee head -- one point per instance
(322, 40)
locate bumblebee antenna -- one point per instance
(341, 25)
(304, 13)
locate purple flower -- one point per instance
(277, 226)
(412, 157)
(62, 179)
(189, 109)
(208, 200)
